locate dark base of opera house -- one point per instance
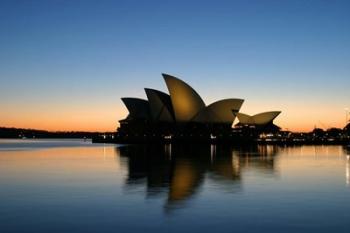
(227, 140)
(216, 134)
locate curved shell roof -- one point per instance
(160, 105)
(258, 119)
(244, 118)
(265, 117)
(221, 111)
(138, 108)
(185, 105)
(185, 100)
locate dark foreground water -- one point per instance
(74, 186)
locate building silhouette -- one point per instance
(183, 115)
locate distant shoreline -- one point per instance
(12, 133)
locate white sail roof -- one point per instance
(160, 105)
(138, 108)
(185, 100)
(221, 111)
(257, 119)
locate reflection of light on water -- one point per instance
(104, 153)
(235, 163)
(269, 150)
(212, 152)
(168, 150)
(347, 170)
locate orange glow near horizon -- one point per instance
(97, 118)
(104, 117)
(109, 122)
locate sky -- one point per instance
(64, 65)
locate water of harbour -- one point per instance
(76, 186)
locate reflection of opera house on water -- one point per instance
(182, 115)
(179, 172)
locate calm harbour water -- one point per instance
(75, 186)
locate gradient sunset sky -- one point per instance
(64, 65)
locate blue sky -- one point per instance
(78, 58)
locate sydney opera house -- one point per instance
(182, 114)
